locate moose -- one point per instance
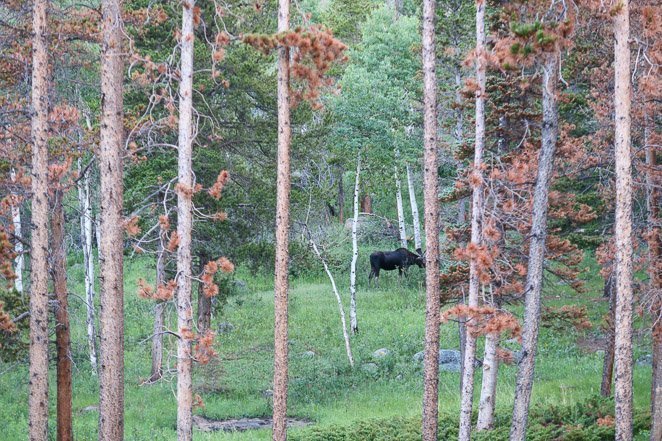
(401, 259)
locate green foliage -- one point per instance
(14, 345)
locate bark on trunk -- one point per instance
(341, 196)
(623, 226)
(355, 251)
(488, 390)
(159, 309)
(111, 317)
(431, 217)
(204, 302)
(536, 250)
(366, 204)
(282, 231)
(476, 227)
(184, 228)
(608, 363)
(414, 211)
(85, 208)
(341, 310)
(401, 213)
(18, 248)
(62, 329)
(38, 371)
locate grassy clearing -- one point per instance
(322, 388)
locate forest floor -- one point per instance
(322, 388)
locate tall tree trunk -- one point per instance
(654, 200)
(414, 211)
(623, 225)
(431, 218)
(111, 317)
(184, 229)
(366, 204)
(355, 250)
(398, 200)
(18, 248)
(159, 310)
(488, 389)
(476, 226)
(38, 399)
(341, 196)
(341, 310)
(62, 328)
(282, 231)
(204, 302)
(538, 236)
(608, 363)
(85, 208)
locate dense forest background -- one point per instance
(357, 166)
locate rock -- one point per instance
(645, 360)
(448, 356)
(267, 393)
(399, 377)
(89, 409)
(225, 328)
(370, 368)
(308, 354)
(380, 354)
(518, 355)
(240, 285)
(449, 359)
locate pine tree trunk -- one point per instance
(62, 328)
(111, 149)
(85, 208)
(414, 211)
(431, 218)
(341, 196)
(38, 399)
(608, 363)
(623, 226)
(476, 227)
(159, 310)
(366, 204)
(282, 232)
(537, 239)
(488, 390)
(204, 302)
(184, 229)
(18, 248)
(355, 251)
(398, 200)
(458, 133)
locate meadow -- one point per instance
(323, 388)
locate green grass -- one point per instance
(323, 388)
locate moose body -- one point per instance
(401, 259)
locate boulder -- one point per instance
(308, 354)
(225, 328)
(380, 354)
(645, 360)
(370, 368)
(449, 359)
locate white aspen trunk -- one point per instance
(414, 210)
(85, 208)
(398, 199)
(431, 199)
(468, 367)
(623, 226)
(488, 389)
(111, 149)
(18, 248)
(341, 310)
(537, 239)
(38, 370)
(159, 309)
(184, 228)
(279, 432)
(355, 251)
